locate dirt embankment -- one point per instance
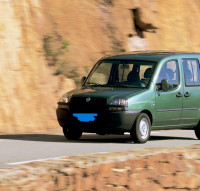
(150, 169)
(29, 90)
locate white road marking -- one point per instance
(99, 153)
(155, 132)
(37, 160)
(152, 132)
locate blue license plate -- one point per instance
(85, 117)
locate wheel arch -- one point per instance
(136, 132)
(149, 115)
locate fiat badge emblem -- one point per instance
(88, 99)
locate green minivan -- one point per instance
(135, 92)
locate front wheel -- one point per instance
(141, 129)
(72, 134)
(197, 131)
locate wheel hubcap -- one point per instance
(144, 128)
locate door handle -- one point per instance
(178, 95)
(187, 95)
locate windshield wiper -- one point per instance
(112, 85)
(96, 84)
(123, 85)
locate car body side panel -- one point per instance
(168, 105)
(144, 101)
(191, 104)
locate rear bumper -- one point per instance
(105, 122)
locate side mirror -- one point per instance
(83, 80)
(164, 85)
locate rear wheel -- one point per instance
(197, 131)
(72, 134)
(140, 131)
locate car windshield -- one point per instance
(121, 73)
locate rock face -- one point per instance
(29, 90)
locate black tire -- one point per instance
(141, 129)
(197, 131)
(72, 134)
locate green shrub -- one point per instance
(54, 48)
(59, 71)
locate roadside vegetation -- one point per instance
(55, 51)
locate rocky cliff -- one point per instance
(29, 88)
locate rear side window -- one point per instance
(191, 71)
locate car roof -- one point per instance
(154, 56)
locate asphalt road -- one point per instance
(20, 149)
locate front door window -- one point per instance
(170, 73)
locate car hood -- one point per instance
(105, 92)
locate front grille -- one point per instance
(79, 104)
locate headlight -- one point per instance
(119, 104)
(65, 98)
(119, 101)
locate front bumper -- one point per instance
(106, 122)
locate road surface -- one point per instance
(20, 149)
